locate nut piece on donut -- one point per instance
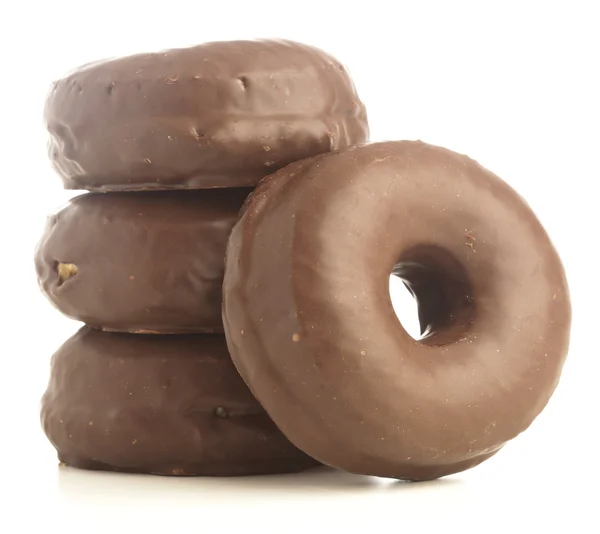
(140, 262)
(168, 405)
(311, 327)
(221, 114)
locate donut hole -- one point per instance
(442, 292)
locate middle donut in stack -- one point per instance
(171, 144)
(143, 262)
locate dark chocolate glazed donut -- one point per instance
(168, 405)
(221, 114)
(311, 327)
(140, 262)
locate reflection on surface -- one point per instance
(321, 500)
(90, 486)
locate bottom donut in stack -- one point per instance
(160, 404)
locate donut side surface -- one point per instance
(168, 405)
(140, 262)
(221, 114)
(312, 330)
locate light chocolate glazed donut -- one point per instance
(311, 327)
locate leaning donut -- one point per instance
(311, 327)
(221, 114)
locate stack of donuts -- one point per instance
(169, 145)
(232, 260)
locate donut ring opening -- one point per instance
(440, 285)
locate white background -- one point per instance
(515, 85)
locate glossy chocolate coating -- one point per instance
(168, 405)
(311, 327)
(140, 262)
(221, 114)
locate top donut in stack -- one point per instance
(215, 116)
(221, 114)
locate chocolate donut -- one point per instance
(140, 262)
(168, 405)
(311, 327)
(221, 114)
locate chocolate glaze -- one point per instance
(220, 114)
(168, 405)
(311, 327)
(140, 262)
